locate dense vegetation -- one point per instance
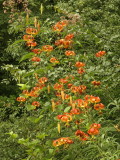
(60, 80)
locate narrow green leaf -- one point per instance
(26, 56)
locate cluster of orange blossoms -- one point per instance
(30, 41)
(94, 129)
(29, 38)
(59, 26)
(78, 106)
(67, 117)
(34, 92)
(62, 43)
(66, 42)
(80, 66)
(78, 89)
(87, 102)
(45, 48)
(100, 53)
(62, 141)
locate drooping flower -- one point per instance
(81, 70)
(81, 103)
(21, 99)
(63, 80)
(79, 64)
(95, 125)
(33, 93)
(59, 26)
(43, 80)
(67, 43)
(62, 141)
(82, 135)
(31, 44)
(66, 96)
(47, 48)
(59, 42)
(99, 106)
(41, 84)
(69, 36)
(66, 118)
(93, 131)
(36, 59)
(54, 60)
(70, 85)
(25, 92)
(70, 53)
(62, 43)
(58, 86)
(37, 51)
(59, 116)
(36, 103)
(31, 31)
(28, 38)
(75, 111)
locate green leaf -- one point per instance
(47, 104)
(26, 56)
(28, 74)
(80, 45)
(30, 107)
(41, 136)
(23, 141)
(18, 41)
(34, 119)
(13, 135)
(51, 151)
(67, 109)
(23, 86)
